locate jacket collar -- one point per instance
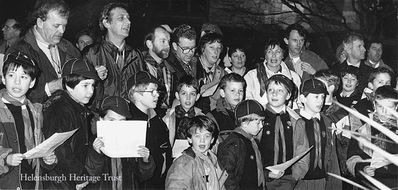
(139, 115)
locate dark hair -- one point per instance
(231, 77)
(209, 38)
(352, 70)
(329, 77)
(42, 7)
(233, 49)
(106, 13)
(18, 59)
(20, 24)
(386, 92)
(183, 31)
(272, 43)
(72, 80)
(201, 122)
(378, 71)
(351, 37)
(83, 32)
(151, 34)
(298, 27)
(373, 41)
(189, 81)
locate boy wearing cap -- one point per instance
(20, 124)
(312, 129)
(187, 94)
(144, 95)
(277, 135)
(130, 171)
(65, 111)
(238, 154)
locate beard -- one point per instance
(162, 53)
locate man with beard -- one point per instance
(44, 44)
(354, 46)
(114, 60)
(157, 41)
(301, 60)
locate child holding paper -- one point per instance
(385, 97)
(312, 129)
(198, 167)
(20, 125)
(187, 94)
(276, 144)
(127, 172)
(144, 94)
(65, 111)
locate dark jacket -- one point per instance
(224, 118)
(157, 141)
(176, 64)
(47, 72)
(105, 53)
(310, 57)
(61, 114)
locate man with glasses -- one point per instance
(114, 60)
(44, 44)
(182, 54)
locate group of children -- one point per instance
(256, 136)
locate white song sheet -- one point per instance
(283, 166)
(49, 145)
(179, 146)
(122, 138)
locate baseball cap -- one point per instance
(140, 77)
(313, 86)
(247, 107)
(282, 79)
(79, 67)
(116, 104)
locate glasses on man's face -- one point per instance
(6, 27)
(153, 92)
(186, 50)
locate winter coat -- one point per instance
(310, 57)
(47, 72)
(188, 172)
(62, 114)
(12, 178)
(115, 84)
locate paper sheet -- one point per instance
(122, 138)
(282, 167)
(49, 145)
(179, 146)
(379, 161)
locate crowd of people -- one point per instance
(188, 85)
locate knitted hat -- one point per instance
(79, 67)
(116, 104)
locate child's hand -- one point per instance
(369, 170)
(50, 159)
(102, 72)
(98, 144)
(144, 152)
(14, 159)
(276, 176)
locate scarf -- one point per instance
(279, 133)
(263, 74)
(209, 163)
(163, 75)
(116, 164)
(28, 132)
(181, 113)
(260, 170)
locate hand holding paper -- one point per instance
(276, 169)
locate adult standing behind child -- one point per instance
(198, 167)
(20, 125)
(239, 154)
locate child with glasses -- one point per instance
(143, 95)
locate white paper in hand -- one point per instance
(179, 146)
(122, 138)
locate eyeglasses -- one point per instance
(153, 92)
(6, 27)
(186, 50)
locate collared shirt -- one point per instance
(356, 65)
(297, 67)
(280, 110)
(373, 64)
(308, 116)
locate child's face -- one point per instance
(113, 116)
(277, 95)
(149, 97)
(187, 97)
(201, 140)
(350, 82)
(83, 91)
(380, 80)
(381, 110)
(313, 103)
(233, 92)
(253, 127)
(17, 83)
